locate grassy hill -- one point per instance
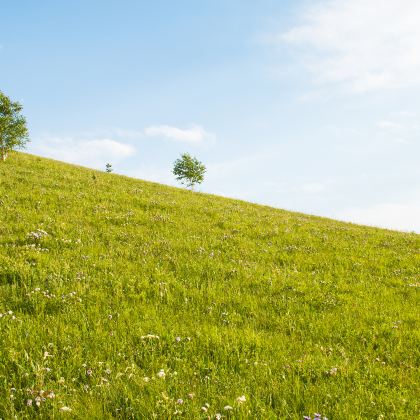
(129, 299)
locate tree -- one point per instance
(188, 170)
(13, 130)
(108, 167)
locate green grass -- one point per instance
(299, 314)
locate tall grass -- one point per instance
(126, 299)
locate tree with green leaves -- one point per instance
(13, 130)
(189, 170)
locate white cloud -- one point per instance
(395, 125)
(193, 135)
(92, 152)
(402, 129)
(389, 125)
(400, 216)
(360, 45)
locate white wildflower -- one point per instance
(150, 337)
(241, 399)
(333, 371)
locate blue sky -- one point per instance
(305, 105)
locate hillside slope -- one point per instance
(123, 298)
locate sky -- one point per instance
(306, 105)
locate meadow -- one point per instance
(121, 298)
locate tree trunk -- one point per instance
(3, 154)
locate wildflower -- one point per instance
(241, 399)
(191, 396)
(61, 381)
(37, 234)
(89, 372)
(38, 401)
(227, 408)
(109, 316)
(29, 403)
(161, 373)
(146, 379)
(177, 339)
(150, 337)
(218, 416)
(204, 408)
(65, 409)
(333, 371)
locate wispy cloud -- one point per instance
(91, 152)
(400, 216)
(193, 135)
(401, 128)
(396, 125)
(389, 125)
(360, 45)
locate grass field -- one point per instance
(128, 299)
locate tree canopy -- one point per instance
(13, 130)
(189, 170)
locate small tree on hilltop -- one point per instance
(189, 170)
(13, 131)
